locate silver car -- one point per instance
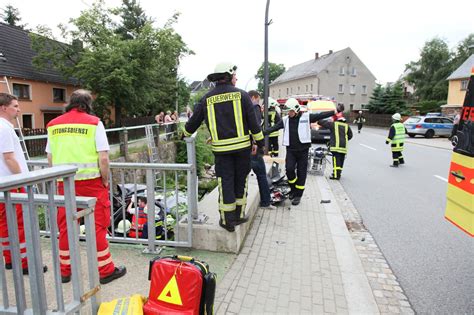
(429, 126)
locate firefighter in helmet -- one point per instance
(341, 133)
(230, 118)
(360, 120)
(396, 136)
(297, 139)
(273, 118)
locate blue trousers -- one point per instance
(258, 167)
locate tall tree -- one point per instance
(274, 71)
(11, 15)
(429, 73)
(463, 51)
(133, 19)
(375, 103)
(137, 76)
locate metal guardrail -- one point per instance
(152, 175)
(30, 203)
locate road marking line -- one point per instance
(368, 147)
(442, 178)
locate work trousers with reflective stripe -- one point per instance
(296, 165)
(337, 163)
(21, 232)
(88, 188)
(397, 157)
(232, 171)
(273, 148)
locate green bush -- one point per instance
(429, 106)
(203, 150)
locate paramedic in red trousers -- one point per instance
(12, 161)
(297, 139)
(341, 133)
(396, 136)
(78, 138)
(230, 118)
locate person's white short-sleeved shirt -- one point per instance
(101, 142)
(10, 143)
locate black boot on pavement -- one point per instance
(296, 201)
(118, 273)
(333, 177)
(65, 279)
(393, 165)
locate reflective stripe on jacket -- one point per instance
(397, 136)
(339, 139)
(230, 118)
(71, 138)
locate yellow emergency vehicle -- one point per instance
(460, 194)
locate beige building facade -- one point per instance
(458, 81)
(339, 74)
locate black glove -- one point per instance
(386, 142)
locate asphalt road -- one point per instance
(404, 210)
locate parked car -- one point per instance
(429, 126)
(318, 133)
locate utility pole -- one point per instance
(265, 77)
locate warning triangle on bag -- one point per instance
(170, 293)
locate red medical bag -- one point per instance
(180, 285)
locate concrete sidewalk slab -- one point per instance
(292, 262)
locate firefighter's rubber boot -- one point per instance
(227, 220)
(296, 201)
(394, 165)
(239, 216)
(401, 161)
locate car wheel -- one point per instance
(411, 135)
(430, 133)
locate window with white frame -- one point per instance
(287, 91)
(306, 87)
(364, 89)
(22, 91)
(353, 89)
(340, 88)
(311, 87)
(342, 70)
(353, 72)
(464, 85)
(298, 89)
(279, 93)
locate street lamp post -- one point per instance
(265, 77)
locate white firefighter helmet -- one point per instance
(397, 117)
(123, 226)
(272, 103)
(360, 112)
(293, 104)
(221, 69)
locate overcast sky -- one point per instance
(384, 34)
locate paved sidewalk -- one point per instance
(302, 259)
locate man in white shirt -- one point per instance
(12, 161)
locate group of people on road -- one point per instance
(234, 119)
